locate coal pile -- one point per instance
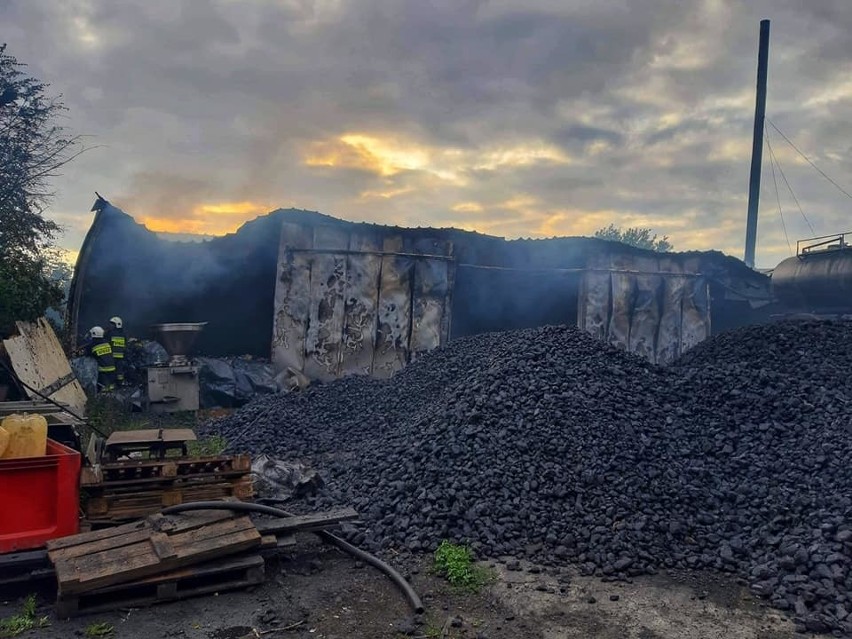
(549, 445)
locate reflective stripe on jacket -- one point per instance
(102, 351)
(118, 342)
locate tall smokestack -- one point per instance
(757, 144)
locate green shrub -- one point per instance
(455, 563)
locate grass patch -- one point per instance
(109, 414)
(99, 630)
(455, 563)
(213, 445)
(26, 620)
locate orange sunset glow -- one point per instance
(207, 219)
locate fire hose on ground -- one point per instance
(334, 540)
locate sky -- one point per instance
(517, 118)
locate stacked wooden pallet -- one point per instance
(169, 557)
(129, 489)
(158, 559)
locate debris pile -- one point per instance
(549, 445)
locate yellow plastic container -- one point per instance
(27, 436)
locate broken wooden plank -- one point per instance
(39, 361)
(106, 543)
(306, 523)
(162, 546)
(33, 406)
(82, 538)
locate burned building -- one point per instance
(329, 297)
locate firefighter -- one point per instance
(100, 349)
(117, 341)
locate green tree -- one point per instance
(643, 238)
(33, 149)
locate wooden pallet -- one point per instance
(128, 503)
(158, 544)
(117, 492)
(153, 471)
(212, 577)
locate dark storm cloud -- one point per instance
(575, 113)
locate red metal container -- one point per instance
(39, 498)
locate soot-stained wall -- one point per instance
(235, 284)
(229, 282)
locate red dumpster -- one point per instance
(39, 498)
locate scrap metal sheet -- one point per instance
(594, 303)
(645, 314)
(361, 305)
(325, 324)
(430, 289)
(623, 286)
(696, 313)
(669, 329)
(394, 311)
(292, 298)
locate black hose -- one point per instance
(345, 546)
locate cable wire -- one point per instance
(808, 160)
(778, 198)
(789, 188)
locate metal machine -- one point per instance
(173, 385)
(818, 280)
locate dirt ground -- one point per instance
(316, 592)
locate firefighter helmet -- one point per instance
(96, 332)
(115, 321)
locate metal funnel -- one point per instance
(178, 339)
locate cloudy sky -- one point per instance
(519, 118)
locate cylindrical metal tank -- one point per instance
(817, 281)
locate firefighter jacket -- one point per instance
(117, 342)
(102, 351)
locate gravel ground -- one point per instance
(320, 594)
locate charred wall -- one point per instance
(126, 270)
(332, 297)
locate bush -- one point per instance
(455, 563)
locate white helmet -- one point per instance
(96, 331)
(115, 321)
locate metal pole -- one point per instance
(757, 144)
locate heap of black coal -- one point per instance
(549, 445)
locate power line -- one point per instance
(778, 198)
(789, 188)
(808, 160)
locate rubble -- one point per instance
(234, 381)
(547, 445)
